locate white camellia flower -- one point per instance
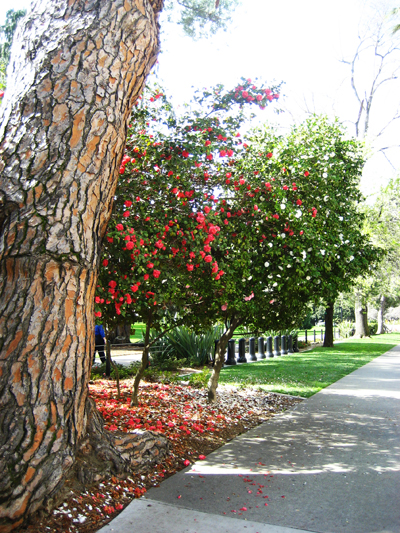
(283, 206)
(298, 213)
(266, 264)
(270, 244)
(322, 252)
(304, 254)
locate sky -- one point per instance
(299, 43)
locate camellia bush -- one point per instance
(209, 228)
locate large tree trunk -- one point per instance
(361, 313)
(381, 314)
(328, 337)
(76, 69)
(219, 359)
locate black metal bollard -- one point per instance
(322, 337)
(231, 353)
(252, 349)
(269, 347)
(283, 345)
(315, 336)
(261, 350)
(295, 345)
(242, 351)
(276, 345)
(305, 337)
(290, 344)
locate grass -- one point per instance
(306, 373)
(139, 327)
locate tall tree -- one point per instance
(76, 69)
(383, 226)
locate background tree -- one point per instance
(325, 167)
(383, 226)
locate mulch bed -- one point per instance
(181, 413)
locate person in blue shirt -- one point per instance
(99, 337)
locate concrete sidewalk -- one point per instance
(331, 465)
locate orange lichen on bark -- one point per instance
(77, 128)
(68, 383)
(14, 343)
(29, 475)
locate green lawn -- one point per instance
(139, 328)
(306, 373)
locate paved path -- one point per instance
(332, 465)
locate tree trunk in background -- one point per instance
(328, 337)
(381, 314)
(361, 313)
(77, 68)
(219, 359)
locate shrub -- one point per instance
(373, 327)
(346, 328)
(182, 345)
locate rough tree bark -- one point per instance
(219, 359)
(77, 67)
(381, 314)
(328, 337)
(361, 313)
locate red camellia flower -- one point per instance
(126, 214)
(146, 277)
(112, 284)
(301, 232)
(208, 259)
(127, 203)
(134, 288)
(189, 267)
(222, 153)
(207, 143)
(119, 227)
(230, 153)
(186, 462)
(105, 262)
(129, 245)
(306, 173)
(299, 202)
(207, 248)
(209, 157)
(185, 153)
(207, 209)
(269, 155)
(150, 265)
(156, 273)
(259, 97)
(245, 94)
(202, 457)
(285, 187)
(1, 94)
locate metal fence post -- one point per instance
(261, 349)
(242, 351)
(269, 347)
(276, 345)
(252, 349)
(290, 344)
(283, 345)
(231, 353)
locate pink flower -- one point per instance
(248, 298)
(301, 232)
(245, 94)
(202, 457)
(208, 258)
(186, 462)
(224, 307)
(230, 153)
(207, 248)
